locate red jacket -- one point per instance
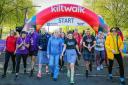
(11, 43)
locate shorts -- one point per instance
(70, 56)
(33, 53)
(88, 56)
(42, 57)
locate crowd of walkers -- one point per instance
(53, 50)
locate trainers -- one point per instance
(25, 71)
(110, 77)
(122, 83)
(72, 82)
(4, 75)
(101, 67)
(39, 75)
(47, 71)
(54, 79)
(51, 76)
(86, 73)
(16, 77)
(31, 73)
(98, 68)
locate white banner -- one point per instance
(66, 21)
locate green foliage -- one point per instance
(13, 12)
(113, 11)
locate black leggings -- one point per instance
(120, 62)
(61, 62)
(18, 59)
(7, 57)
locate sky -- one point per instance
(46, 3)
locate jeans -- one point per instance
(54, 65)
(7, 57)
(18, 59)
(119, 59)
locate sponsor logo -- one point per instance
(62, 8)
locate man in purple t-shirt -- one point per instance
(33, 49)
(22, 46)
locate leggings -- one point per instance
(18, 59)
(61, 63)
(119, 59)
(7, 57)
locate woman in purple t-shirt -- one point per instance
(22, 46)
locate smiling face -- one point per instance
(87, 32)
(23, 35)
(70, 36)
(56, 33)
(114, 31)
(100, 34)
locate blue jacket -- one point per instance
(54, 46)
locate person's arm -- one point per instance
(27, 44)
(77, 48)
(94, 43)
(64, 48)
(18, 44)
(5, 44)
(84, 42)
(39, 42)
(85, 45)
(48, 47)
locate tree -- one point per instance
(113, 11)
(12, 12)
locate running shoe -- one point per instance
(122, 83)
(16, 77)
(54, 79)
(47, 71)
(31, 73)
(72, 82)
(39, 75)
(101, 67)
(98, 68)
(86, 73)
(4, 75)
(24, 71)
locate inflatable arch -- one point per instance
(67, 10)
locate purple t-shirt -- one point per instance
(23, 49)
(33, 41)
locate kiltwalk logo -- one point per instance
(62, 8)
